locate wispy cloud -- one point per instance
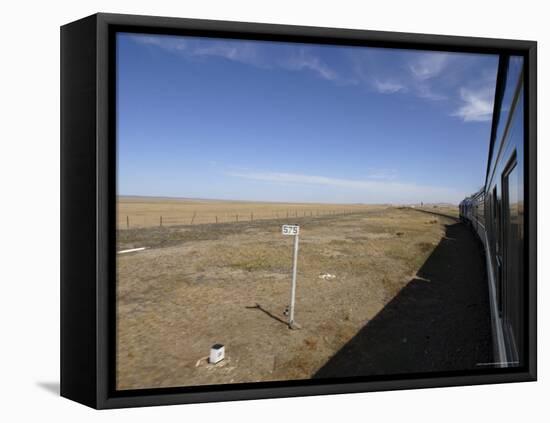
(244, 52)
(247, 52)
(426, 91)
(236, 50)
(382, 174)
(305, 60)
(388, 87)
(174, 44)
(367, 189)
(428, 65)
(414, 73)
(430, 76)
(425, 70)
(477, 105)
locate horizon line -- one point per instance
(167, 197)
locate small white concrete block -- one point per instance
(217, 353)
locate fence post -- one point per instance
(161, 221)
(216, 219)
(127, 222)
(193, 218)
(251, 216)
(236, 218)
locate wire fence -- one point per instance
(143, 220)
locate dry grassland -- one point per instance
(197, 285)
(140, 212)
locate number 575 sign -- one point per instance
(291, 230)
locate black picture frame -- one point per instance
(88, 160)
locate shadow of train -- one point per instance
(439, 321)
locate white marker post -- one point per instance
(293, 230)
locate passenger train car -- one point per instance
(496, 214)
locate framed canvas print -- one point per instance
(257, 211)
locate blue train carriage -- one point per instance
(496, 213)
(472, 212)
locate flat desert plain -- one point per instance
(229, 283)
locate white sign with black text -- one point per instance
(291, 230)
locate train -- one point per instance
(496, 215)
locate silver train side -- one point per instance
(496, 214)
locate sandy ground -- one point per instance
(230, 283)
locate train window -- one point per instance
(512, 308)
(496, 246)
(512, 78)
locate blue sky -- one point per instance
(266, 121)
